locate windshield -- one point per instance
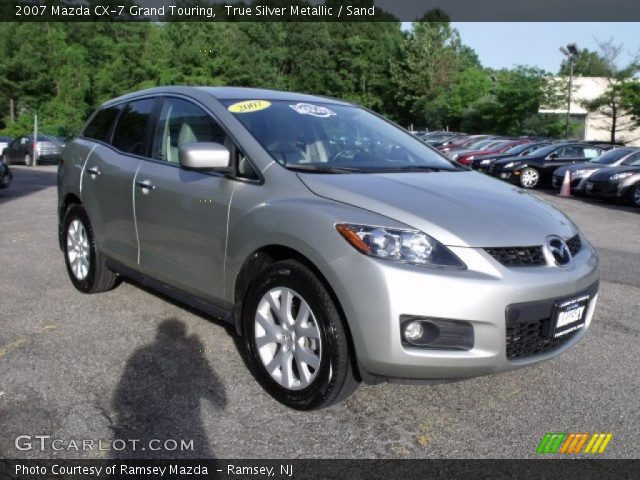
(611, 156)
(333, 138)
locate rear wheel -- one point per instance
(635, 195)
(295, 339)
(85, 264)
(27, 160)
(529, 178)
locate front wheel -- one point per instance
(85, 264)
(27, 160)
(529, 178)
(635, 195)
(295, 338)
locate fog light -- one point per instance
(413, 331)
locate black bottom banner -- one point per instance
(320, 469)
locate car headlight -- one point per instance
(485, 162)
(470, 157)
(582, 172)
(408, 246)
(620, 176)
(511, 164)
(454, 156)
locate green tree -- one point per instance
(587, 64)
(611, 103)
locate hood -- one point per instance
(605, 173)
(461, 208)
(577, 166)
(495, 156)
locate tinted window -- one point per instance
(183, 122)
(633, 160)
(129, 133)
(100, 125)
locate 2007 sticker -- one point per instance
(313, 110)
(249, 106)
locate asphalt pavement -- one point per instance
(130, 364)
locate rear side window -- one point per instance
(131, 127)
(100, 125)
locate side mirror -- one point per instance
(204, 156)
(552, 156)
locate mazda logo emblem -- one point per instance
(557, 251)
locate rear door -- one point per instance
(107, 179)
(182, 214)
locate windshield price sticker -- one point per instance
(313, 110)
(249, 106)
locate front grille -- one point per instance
(516, 256)
(525, 339)
(574, 244)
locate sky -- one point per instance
(505, 44)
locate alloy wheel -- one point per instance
(27, 160)
(529, 178)
(78, 249)
(287, 338)
(636, 196)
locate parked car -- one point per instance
(537, 168)
(438, 137)
(334, 264)
(6, 176)
(579, 173)
(464, 143)
(483, 162)
(4, 142)
(20, 150)
(465, 157)
(618, 183)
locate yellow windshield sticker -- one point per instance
(249, 106)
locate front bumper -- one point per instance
(607, 189)
(511, 176)
(577, 184)
(380, 292)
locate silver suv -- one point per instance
(339, 246)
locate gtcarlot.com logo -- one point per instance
(574, 443)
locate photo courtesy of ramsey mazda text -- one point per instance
(336, 263)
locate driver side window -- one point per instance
(183, 122)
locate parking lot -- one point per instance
(132, 364)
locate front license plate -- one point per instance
(505, 175)
(570, 315)
(589, 186)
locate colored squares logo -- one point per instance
(573, 443)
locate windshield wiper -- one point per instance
(323, 169)
(418, 168)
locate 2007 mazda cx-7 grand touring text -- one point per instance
(340, 247)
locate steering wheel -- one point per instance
(340, 153)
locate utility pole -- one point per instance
(35, 140)
(571, 52)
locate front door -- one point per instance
(182, 214)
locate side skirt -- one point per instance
(178, 295)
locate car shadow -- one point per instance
(28, 180)
(157, 400)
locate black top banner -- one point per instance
(319, 10)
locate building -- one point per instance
(595, 125)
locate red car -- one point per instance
(465, 157)
(461, 142)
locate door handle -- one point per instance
(93, 171)
(145, 185)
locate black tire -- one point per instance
(524, 176)
(335, 378)
(634, 195)
(27, 160)
(99, 278)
